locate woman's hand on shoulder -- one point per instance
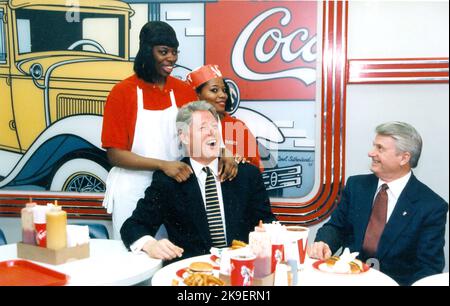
(177, 170)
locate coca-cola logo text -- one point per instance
(281, 44)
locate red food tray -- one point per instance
(25, 273)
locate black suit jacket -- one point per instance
(412, 243)
(180, 207)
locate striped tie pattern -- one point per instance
(213, 211)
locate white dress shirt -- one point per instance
(395, 189)
(201, 179)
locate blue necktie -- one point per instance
(213, 215)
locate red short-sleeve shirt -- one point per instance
(119, 118)
(239, 140)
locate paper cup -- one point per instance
(295, 244)
(277, 255)
(40, 225)
(225, 258)
(242, 270)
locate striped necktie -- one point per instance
(215, 223)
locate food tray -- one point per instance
(25, 273)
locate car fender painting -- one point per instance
(281, 59)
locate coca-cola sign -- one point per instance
(269, 49)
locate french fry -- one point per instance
(237, 244)
(201, 279)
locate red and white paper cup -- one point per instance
(277, 255)
(295, 244)
(40, 224)
(242, 270)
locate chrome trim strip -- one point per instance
(369, 79)
(402, 70)
(405, 61)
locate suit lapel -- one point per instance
(196, 208)
(403, 212)
(229, 203)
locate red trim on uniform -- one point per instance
(239, 140)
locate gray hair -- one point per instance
(406, 137)
(184, 116)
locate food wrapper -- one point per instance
(342, 265)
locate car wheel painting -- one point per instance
(80, 175)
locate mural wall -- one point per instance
(59, 59)
(59, 63)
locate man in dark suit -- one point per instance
(201, 212)
(405, 232)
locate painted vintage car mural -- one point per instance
(56, 70)
(60, 58)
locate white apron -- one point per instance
(155, 136)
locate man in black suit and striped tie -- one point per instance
(201, 212)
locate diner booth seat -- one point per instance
(2, 238)
(96, 230)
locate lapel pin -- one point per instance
(405, 213)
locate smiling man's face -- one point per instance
(387, 163)
(203, 141)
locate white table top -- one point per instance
(433, 280)
(309, 276)
(110, 263)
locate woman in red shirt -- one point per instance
(238, 139)
(139, 124)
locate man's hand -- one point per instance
(228, 168)
(319, 250)
(162, 249)
(177, 170)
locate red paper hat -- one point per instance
(203, 74)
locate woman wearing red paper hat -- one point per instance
(210, 86)
(139, 124)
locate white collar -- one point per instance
(198, 167)
(396, 186)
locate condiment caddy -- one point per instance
(45, 235)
